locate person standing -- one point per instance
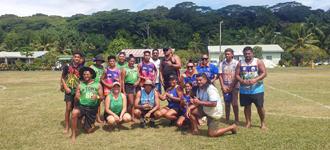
(88, 95)
(111, 74)
(209, 69)
(99, 70)
(250, 72)
(170, 66)
(131, 78)
(69, 82)
(229, 84)
(156, 61)
(147, 70)
(121, 61)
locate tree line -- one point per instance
(302, 32)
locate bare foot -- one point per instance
(248, 125)
(194, 132)
(234, 130)
(263, 127)
(73, 140)
(66, 131)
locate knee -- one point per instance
(157, 114)
(179, 123)
(75, 113)
(137, 113)
(111, 120)
(211, 133)
(127, 118)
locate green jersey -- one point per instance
(122, 66)
(132, 75)
(99, 72)
(116, 105)
(87, 90)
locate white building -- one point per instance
(271, 53)
(11, 57)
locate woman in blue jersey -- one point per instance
(189, 76)
(174, 96)
(185, 103)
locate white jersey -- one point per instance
(157, 64)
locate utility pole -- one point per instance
(220, 54)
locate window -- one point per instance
(269, 57)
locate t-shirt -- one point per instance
(211, 94)
(227, 72)
(157, 65)
(211, 70)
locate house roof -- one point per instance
(139, 52)
(238, 49)
(35, 54)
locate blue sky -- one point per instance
(71, 7)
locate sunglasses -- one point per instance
(205, 58)
(190, 66)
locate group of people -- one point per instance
(132, 92)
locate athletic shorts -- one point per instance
(130, 88)
(106, 115)
(248, 99)
(90, 115)
(69, 97)
(212, 123)
(177, 109)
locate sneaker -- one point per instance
(152, 124)
(142, 124)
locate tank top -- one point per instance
(131, 75)
(147, 70)
(72, 77)
(116, 105)
(111, 76)
(169, 70)
(173, 92)
(250, 71)
(147, 98)
(190, 79)
(86, 93)
(98, 71)
(122, 66)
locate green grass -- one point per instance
(296, 101)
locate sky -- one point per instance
(71, 7)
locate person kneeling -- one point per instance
(207, 103)
(115, 107)
(184, 105)
(147, 104)
(88, 95)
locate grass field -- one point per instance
(297, 103)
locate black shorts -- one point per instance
(69, 97)
(90, 115)
(130, 88)
(177, 109)
(144, 112)
(248, 99)
(106, 115)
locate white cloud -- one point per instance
(71, 7)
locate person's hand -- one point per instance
(252, 81)
(195, 101)
(116, 117)
(225, 89)
(148, 115)
(188, 112)
(120, 118)
(67, 90)
(94, 97)
(146, 106)
(245, 82)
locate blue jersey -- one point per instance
(210, 70)
(174, 93)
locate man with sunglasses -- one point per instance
(209, 69)
(170, 66)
